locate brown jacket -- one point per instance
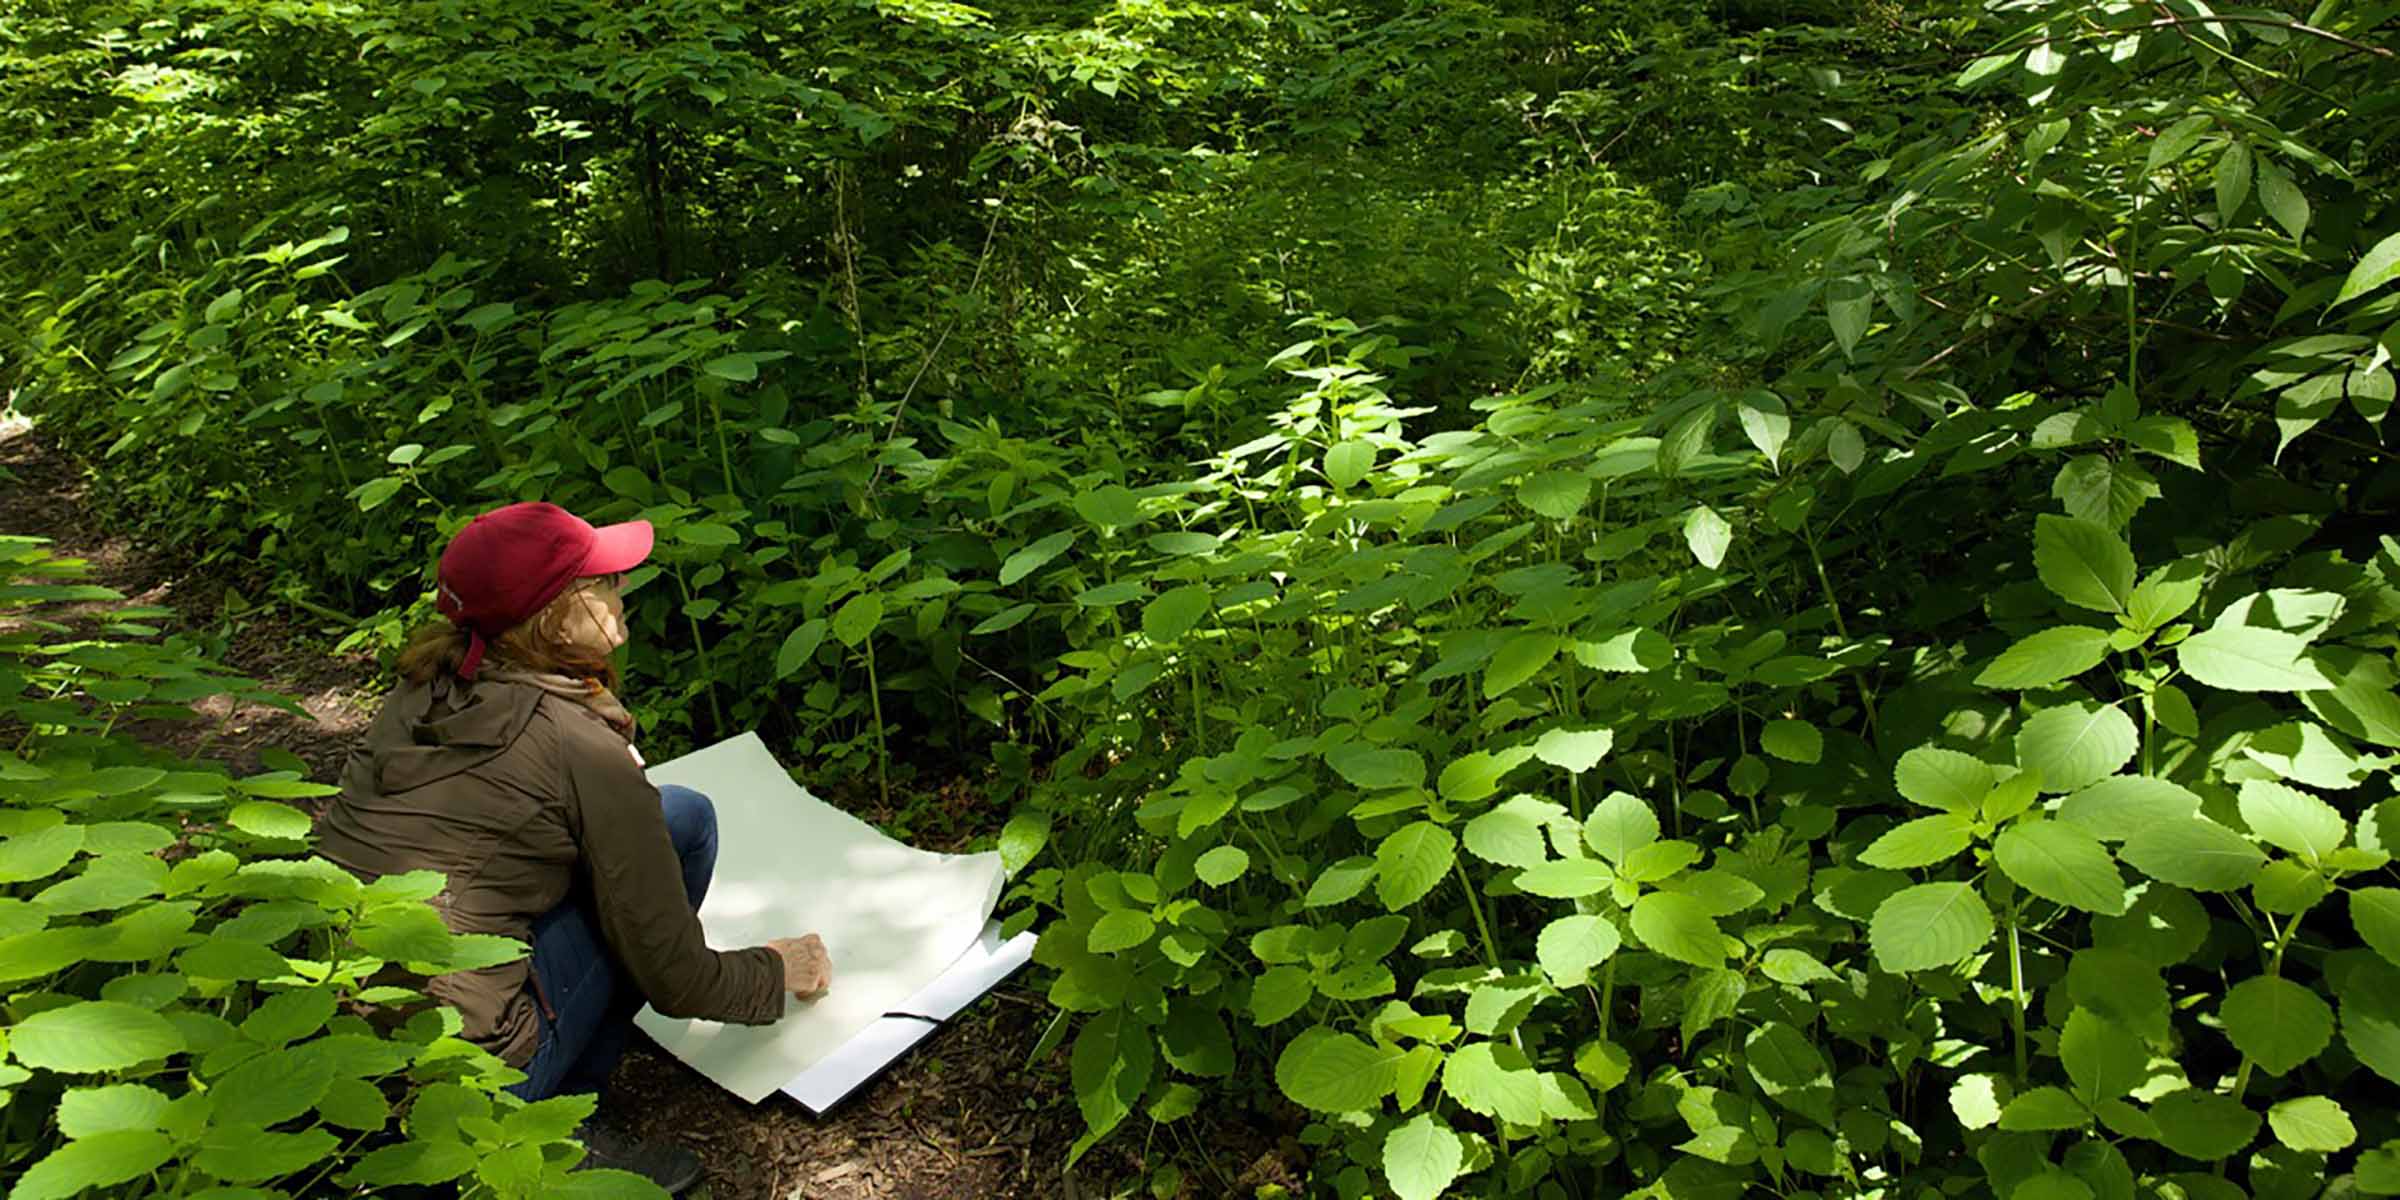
(518, 796)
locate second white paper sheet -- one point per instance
(893, 917)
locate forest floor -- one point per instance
(966, 1114)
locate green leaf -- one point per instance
(1929, 925)
(2292, 820)
(1708, 535)
(2198, 854)
(1411, 861)
(801, 644)
(117, 1108)
(92, 1036)
(2312, 1125)
(1279, 993)
(2282, 198)
(1792, 741)
(2120, 806)
(1110, 1068)
(2203, 1125)
(420, 1163)
(1571, 946)
(857, 618)
(1006, 619)
(1849, 303)
(2279, 1024)
(1680, 928)
(1034, 557)
(2103, 1058)
(1375, 769)
(2083, 563)
(1476, 775)
(2375, 913)
(264, 818)
(247, 1154)
(1943, 779)
(2061, 864)
(2380, 266)
(1222, 865)
(1566, 878)
(739, 368)
(1120, 930)
(2245, 658)
(1348, 462)
(2044, 1109)
(1620, 825)
(1518, 660)
(707, 533)
(2076, 745)
(2176, 141)
(2046, 658)
(1112, 506)
(1577, 750)
(1329, 1072)
(1976, 1101)
(1339, 881)
(1511, 833)
(2102, 490)
(1493, 1079)
(1422, 1157)
(1920, 843)
(95, 1162)
(1790, 1070)
(2233, 180)
(273, 1087)
(1765, 421)
(40, 854)
(1557, 495)
(1176, 611)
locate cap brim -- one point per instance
(618, 548)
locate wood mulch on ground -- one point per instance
(964, 1115)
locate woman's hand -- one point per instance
(807, 969)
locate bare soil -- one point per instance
(964, 1115)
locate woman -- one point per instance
(504, 761)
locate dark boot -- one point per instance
(611, 1146)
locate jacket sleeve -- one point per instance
(637, 887)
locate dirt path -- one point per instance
(964, 1115)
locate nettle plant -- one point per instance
(1496, 800)
(191, 1006)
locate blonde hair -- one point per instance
(542, 642)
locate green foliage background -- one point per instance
(1588, 598)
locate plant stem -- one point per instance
(1491, 949)
(2016, 988)
(883, 758)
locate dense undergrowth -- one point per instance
(1789, 597)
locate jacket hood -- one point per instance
(447, 727)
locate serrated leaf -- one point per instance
(103, 1161)
(1411, 861)
(1348, 462)
(2044, 1109)
(1920, 843)
(1120, 930)
(2083, 563)
(1680, 928)
(1422, 1157)
(2103, 1058)
(2312, 1125)
(1620, 825)
(799, 646)
(2061, 864)
(1374, 769)
(1576, 750)
(1034, 557)
(2282, 198)
(92, 1036)
(2198, 854)
(1110, 506)
(1557, 494)
(1329, 1072)
(2292, 820)
(2073, 746)
(1517, 660)
(857, 618)
(1222, 865)
(2375, 914)
(2046, 658)
(2279, 1024)
(1792, 741)
(1927, 926)
(2120, 806)
(1943, 779)
(1765, 422)
(117, 1108)
(2243, 658)
(1494, 1080)
(1571, 946)
(2203, 1125)
(1790, 1070)
(1511, 833)
(1566, 878)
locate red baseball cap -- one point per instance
(510, 562)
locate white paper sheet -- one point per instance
(985, 964)
(893, 918)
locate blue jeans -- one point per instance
(592, 999)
